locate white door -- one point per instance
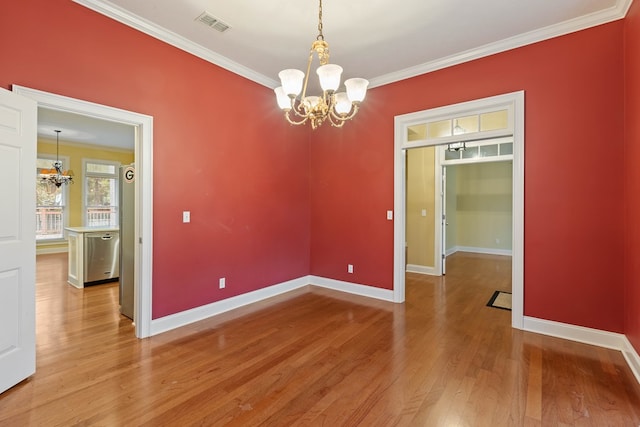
(18, 124)
(443, 203)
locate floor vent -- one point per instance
(213, 22)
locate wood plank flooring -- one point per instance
(319, 358)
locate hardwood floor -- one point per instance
(317, 357)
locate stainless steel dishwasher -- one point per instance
(101, 256)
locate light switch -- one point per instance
(424, 212)
(186, 216)
(389, 215)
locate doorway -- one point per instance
(475, 193)
(513, 103)
(143, 125)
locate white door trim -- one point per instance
(514, 100)
(442, 215)
(143, 188)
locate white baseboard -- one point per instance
(352, 288)
(488, 251)
(421, 269)
(581, 334)
(632, 358)
(186, 317)
(43, 250)
(591, 336)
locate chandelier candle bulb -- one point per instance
(356, 89)
(343, 105)
(291, 81)
(284, 102)
(329, 76)
(312, 102)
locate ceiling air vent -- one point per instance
(213, 22)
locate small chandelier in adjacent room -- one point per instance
(457, 146)
(56, 176)
(337, 107)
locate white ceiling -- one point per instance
(379, 40)
(84, 129)
(375, 39)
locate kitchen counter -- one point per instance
(77, 274)
(91, 229)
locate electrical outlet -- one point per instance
(350, 268)
(223, 283)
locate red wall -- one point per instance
(632, 175)
(573, 175)
(242, 174)
(267, 206)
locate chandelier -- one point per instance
(337, 107)
(57, 176)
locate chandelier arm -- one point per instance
(349, 116)
(337, 124)
(298, 109)
(293, 122)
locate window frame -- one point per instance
(65, 200)
(85, 189)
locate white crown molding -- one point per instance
(611, 14)
(125, 17)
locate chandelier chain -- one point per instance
(320, 35)
(57, 144)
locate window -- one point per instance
(496, 149)
(51, 206)
(101, 193)
(472, 126)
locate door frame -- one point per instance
(143, 188)
(514, 101)
(442, 215)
